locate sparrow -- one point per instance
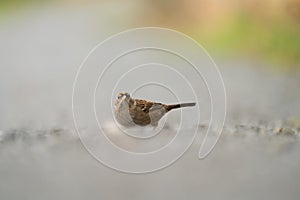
(130, 112)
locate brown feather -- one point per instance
(144, 112)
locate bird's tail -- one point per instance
(180, 105)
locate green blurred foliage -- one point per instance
(268, 30)
(278, 42)
(12, 6)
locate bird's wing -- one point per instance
(143, 105)
(145, 112)
(139, 111)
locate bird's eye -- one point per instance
(119, 97)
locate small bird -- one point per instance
(130, 112)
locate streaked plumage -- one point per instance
(130, 112)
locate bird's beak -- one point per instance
(125, 99)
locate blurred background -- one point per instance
(256, 45)
(267, 30)
(43, 42)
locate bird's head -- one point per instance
(123, 98)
